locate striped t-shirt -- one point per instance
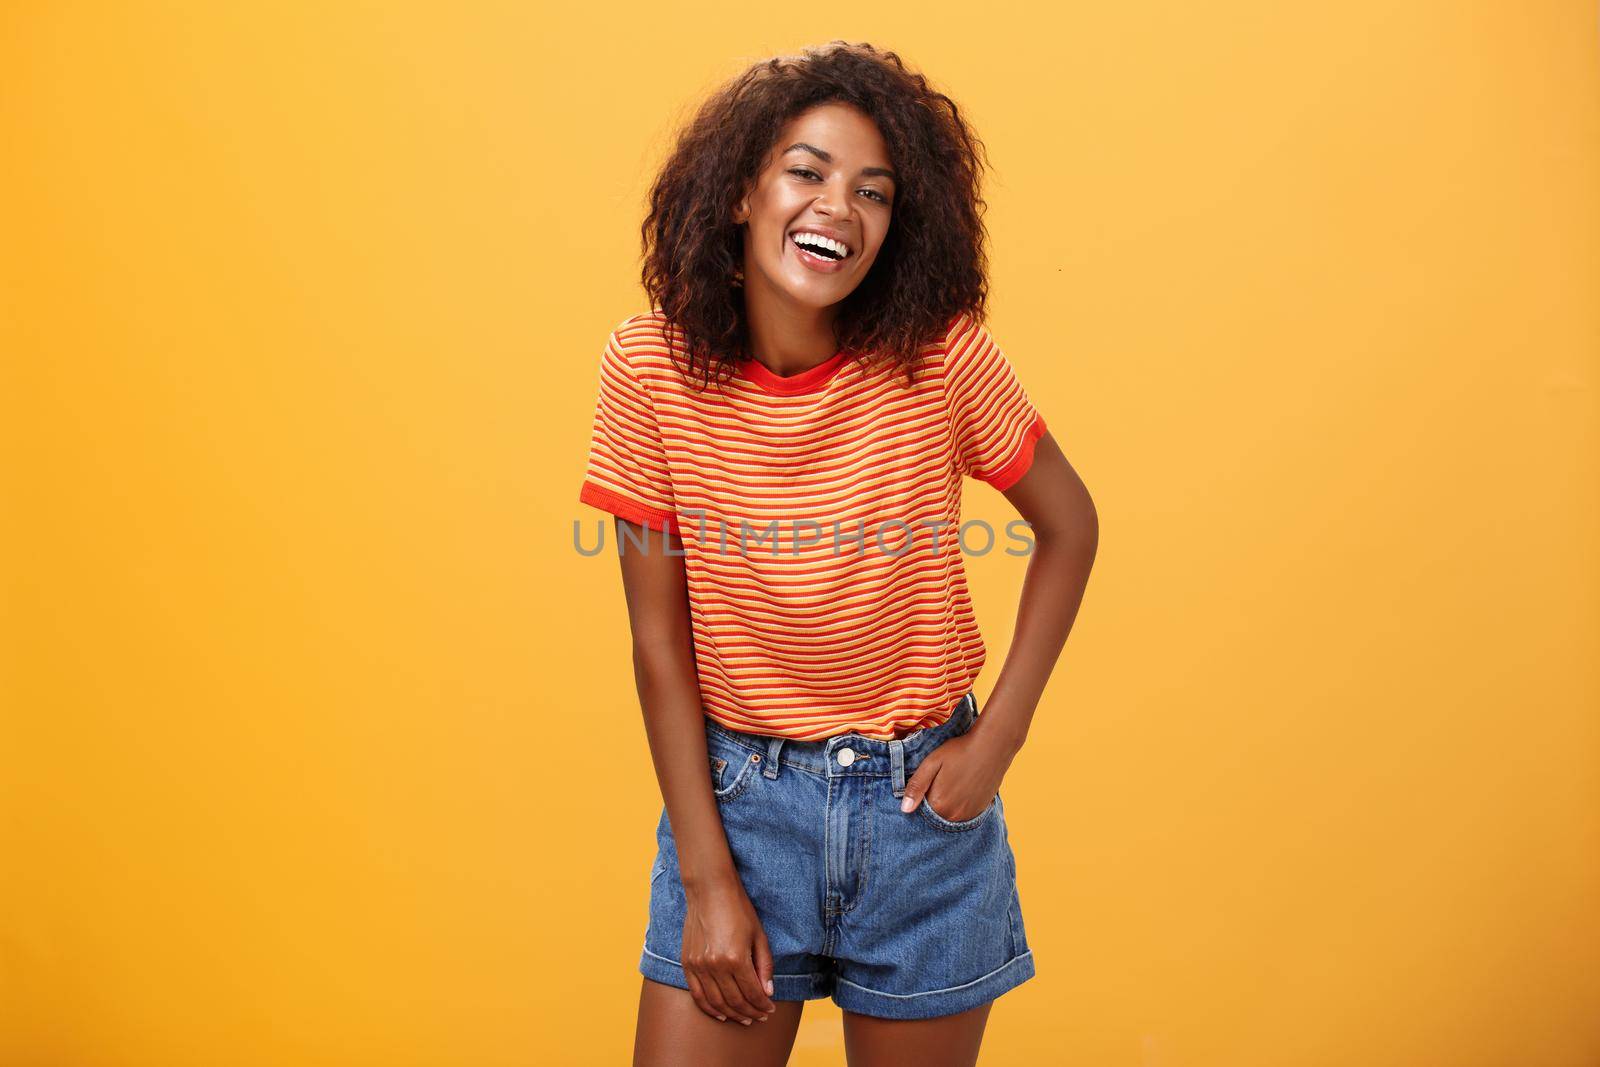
(818, 514)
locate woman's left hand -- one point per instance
(959, 778)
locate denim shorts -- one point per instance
(894, 914)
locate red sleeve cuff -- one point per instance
(1012, 472)
(620, 506)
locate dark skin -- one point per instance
(725, 953)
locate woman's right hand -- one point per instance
(725, 956)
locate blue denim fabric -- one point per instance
(901, 915)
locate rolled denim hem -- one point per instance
(784, 986)
(858, 998)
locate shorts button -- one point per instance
(846, 757)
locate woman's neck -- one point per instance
(789, 340)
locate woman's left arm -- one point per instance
(1054, 502)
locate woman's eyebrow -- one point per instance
(801, 146)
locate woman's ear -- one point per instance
(741, 207)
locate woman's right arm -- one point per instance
(726, 958)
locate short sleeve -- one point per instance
(994, 423)
(627, 473)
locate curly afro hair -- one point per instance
(932, 264)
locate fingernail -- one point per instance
(907, 804)
(745, 1021)
(722, 1018)
(769, 987)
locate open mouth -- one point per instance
(820, 247)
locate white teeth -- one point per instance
(817, 240)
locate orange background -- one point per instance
(320, 739)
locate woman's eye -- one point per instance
(807, 172)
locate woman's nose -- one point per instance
(836, 201)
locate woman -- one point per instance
(782, 441)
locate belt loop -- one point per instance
(774, 746)
(897, 766)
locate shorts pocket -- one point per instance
(730, 777)
(957, 825)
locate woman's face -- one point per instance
(829, 176)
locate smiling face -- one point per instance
(819, 210)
